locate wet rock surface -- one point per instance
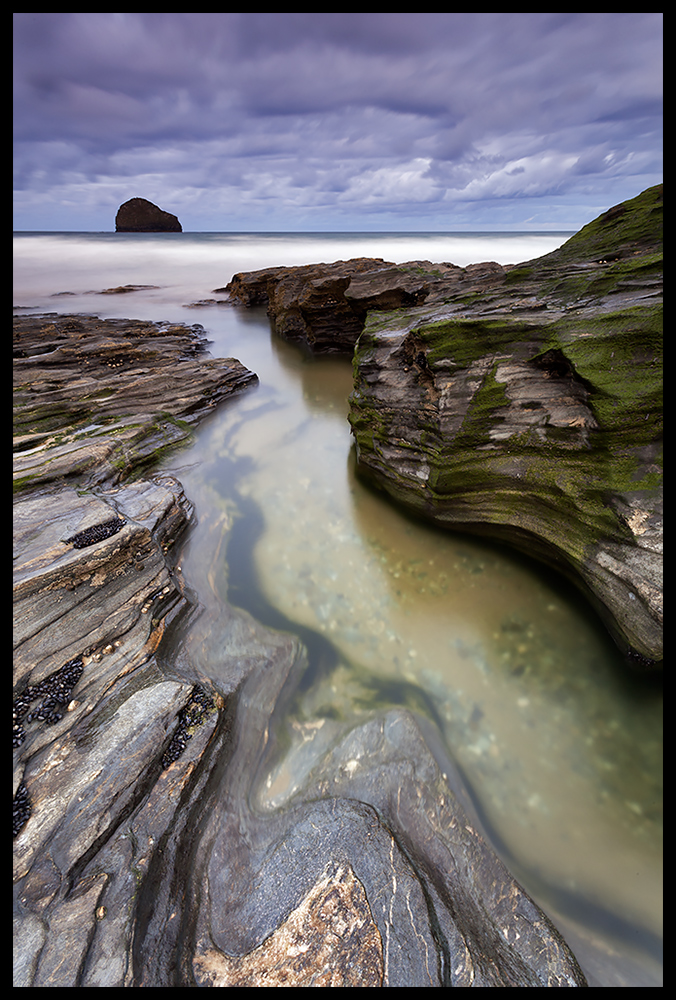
(97, 399)
(146, 852)
(371, 876)
(523, 402)
(531, 411)
(309, 303)
(96, 722)
(325, 305)
(140, 216)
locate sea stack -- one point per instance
(140, 216)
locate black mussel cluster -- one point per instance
(21, 809)
(96, 533)
(55, 692)
(191, 715)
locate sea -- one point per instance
(558, 743)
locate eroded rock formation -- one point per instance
(140, 216)
(320, 304)
(96, 721)
(145, 851)
(99, 397)
(325, 305)
(533, 412)
(522, 402)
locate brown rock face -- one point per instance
(309, 303)
(330, 939)
(140, 216)
(325, 305)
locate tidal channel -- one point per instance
(558, 743)
(557, 740)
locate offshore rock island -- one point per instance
(140, 216)
(523, 402)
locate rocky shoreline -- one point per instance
(520, 402)
(120, 741)
(140, 855)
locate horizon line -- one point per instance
(308, 232)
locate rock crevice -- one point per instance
(537, 431)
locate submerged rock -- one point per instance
(140, 216)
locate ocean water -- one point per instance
(185, 266)
(558, 743)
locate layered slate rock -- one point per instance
(372, 875)
(325, 305)
(100, 398)
(140, 216)
(531, 411)
(522, 402)
(141, 867)
(146, 852)
(308, 303)
(97, 722)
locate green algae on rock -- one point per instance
(541, 427)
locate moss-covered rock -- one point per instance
(533, 413)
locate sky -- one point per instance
(347, 122)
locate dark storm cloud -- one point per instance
(254, 120)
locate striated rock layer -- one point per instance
(522, 402)
(532, 412)
(145, 852)
(97, 722)
(325, 305)
(309, 303)
(101, 398)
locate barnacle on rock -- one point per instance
(96, 533)
(190, 717)
(21, 809)
(55, 691)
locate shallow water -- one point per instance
(559, 744)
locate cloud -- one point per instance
(383, 112)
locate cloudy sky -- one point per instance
(343, 122)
